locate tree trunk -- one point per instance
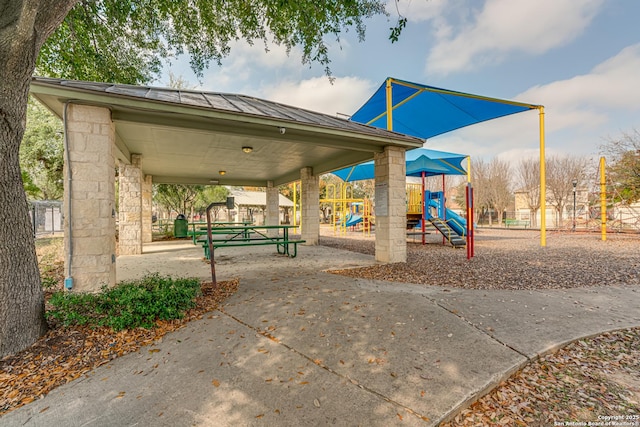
(21, 298)
(24, 27)
(559, 210)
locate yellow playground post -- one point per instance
(347, 211)
(297, 224)
(603, 200)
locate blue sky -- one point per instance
(578, 58)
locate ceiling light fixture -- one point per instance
(222, 173)
(247, 149)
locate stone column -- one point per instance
(147, 209)
(272, 214)
(130, 209)
(391, 210)
(310, 209)
(89, 239)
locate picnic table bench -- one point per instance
(516, 223)
(251, 235)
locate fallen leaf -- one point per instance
(215, 383)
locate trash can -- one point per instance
(180, 226)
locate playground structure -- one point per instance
(424, 206)
(348, 212)
(423, 163)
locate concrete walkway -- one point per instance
(297, 346)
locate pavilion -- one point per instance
(188, 137)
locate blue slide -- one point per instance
(353, 220)
(455, 221)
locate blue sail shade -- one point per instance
(426, 111)
(418, 160)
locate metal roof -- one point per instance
(190, 136)
(234, 103)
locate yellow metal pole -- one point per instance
(295, 203)
(603, 200)
(468, 168)
(543, 184)
(300, 224)
(389, 106)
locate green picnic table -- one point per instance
(200, 228)
(251, 235)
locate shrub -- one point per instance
(127, 305)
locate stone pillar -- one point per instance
(89, 239)
(310, 201)
(130, 209)
(147, 209)
(272, 214)
(391, 210)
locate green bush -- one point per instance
(127, 305)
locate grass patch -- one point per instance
(50, 262)
(127, 305)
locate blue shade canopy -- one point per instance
(427, 111)
(433, 162)
(419, 160)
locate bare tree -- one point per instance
(481, 184)
(528, 180)
(500, 193)
(561, 172)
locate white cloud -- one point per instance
(507, 26)
(417, 10)
(248, 64)
(345, 95)
(578, 112)
(589, 99)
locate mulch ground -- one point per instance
(64, 354)
(588, 381)
(508, 260)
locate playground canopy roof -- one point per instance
(426, 111)
(419, 160)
